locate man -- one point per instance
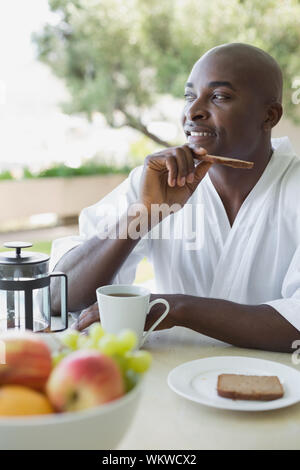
(242, 284)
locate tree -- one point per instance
(118, 57)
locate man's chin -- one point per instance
(209, 147)
(212, 148)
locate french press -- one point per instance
(25, 301)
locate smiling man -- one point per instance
(241, 284)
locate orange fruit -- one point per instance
(16, 400)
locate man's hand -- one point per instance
(87, 317)
(157, 310)
(171, 176)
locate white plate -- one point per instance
(197, 381)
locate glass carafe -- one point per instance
(25, 300)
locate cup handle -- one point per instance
(160, 319)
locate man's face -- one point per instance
(222, 99)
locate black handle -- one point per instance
(63, 300)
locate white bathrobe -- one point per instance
(256, 261)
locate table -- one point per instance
(165, 420)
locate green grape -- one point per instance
(139, 361)
(70, 339)
(108, 344)
(57, 357)
(91, 344)
(127, 340)
(96, 332)
(131, 378)
(122, 362)
(84, 342)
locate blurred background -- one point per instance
(88, 88)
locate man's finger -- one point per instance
(87, 317)
(172, 169)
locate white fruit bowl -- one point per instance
(97, 428)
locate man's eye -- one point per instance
(188, 97)
(220, 97)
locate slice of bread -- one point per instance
(249, 387)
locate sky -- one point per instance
(18, 18)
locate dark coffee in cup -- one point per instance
(122, 295)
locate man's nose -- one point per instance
(197, 110)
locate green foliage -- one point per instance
(27, 174)
(6, 175)
(89, 169)
(60, 170)
(117, 57)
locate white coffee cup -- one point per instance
(119, 313)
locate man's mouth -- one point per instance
(198, 138)
(200, 135)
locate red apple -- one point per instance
(84, 379)
(27, 360)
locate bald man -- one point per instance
(238, 279)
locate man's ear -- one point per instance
(274, 113)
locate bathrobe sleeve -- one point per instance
(96, 220)
(289, 304)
